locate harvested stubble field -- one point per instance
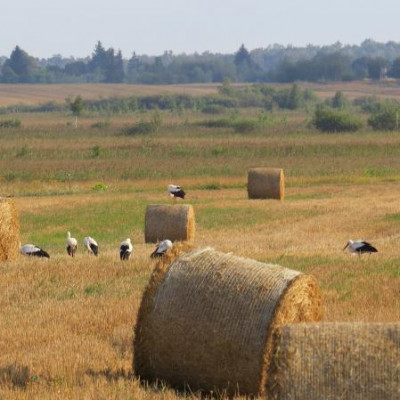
(67, 324)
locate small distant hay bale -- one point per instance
(174, 222)
(206, 319)
(350, 361)
(9, 230)
(266, 183)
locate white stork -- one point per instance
(161, 249)
(91, 245)
(72, 245)
(359, 247)
(125, 249)
(176, 191)
(32, 250)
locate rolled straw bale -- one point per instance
(9, 230)
(206, 319)
(330, 361)
(174, 222)
(266, 183)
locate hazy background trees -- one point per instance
(276, 63)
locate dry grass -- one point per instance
(70, 322)
(67, 325)
(34, 94)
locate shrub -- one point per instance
(140, 128)
(23, 151)
(145, 127)
(329, 120)
(99, 187)
(96, 150)
(10, 123)
(101, 124)
(246, 125)
(216, 123)
(368, 104)
(385, 120)
(213, 109)
(339, 100)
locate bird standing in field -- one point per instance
(176, 191)
(125, 249)
(161, 249)
(91, 245)
(72, 245)
(32, 250)
(359, 247)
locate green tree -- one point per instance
(295, 97)
(386, 119)
(99, 58)
(360, 67)
(329, 120)
(20, 66)
(118, 68)
(8, 75)
(226, 88)
(395, 69)
(375, 67)
(75, 68)
(242, 56)
(339, 100)
(76, 107)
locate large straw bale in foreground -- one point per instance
(206, 320)
(266, 183)
(330, 361)
(173, 222)
(9, 230)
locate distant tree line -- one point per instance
(370, 60)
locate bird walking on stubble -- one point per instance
(91, 245)
(125, 249)
(359, 247)
(161, 248)
(72, 245)
(33, 250)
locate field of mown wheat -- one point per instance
(67, 324)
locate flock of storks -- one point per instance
(126, 248)
(91, 245)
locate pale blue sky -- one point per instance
(72, 27)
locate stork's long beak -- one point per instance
(345, 247)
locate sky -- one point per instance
(44, 28)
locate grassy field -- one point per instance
(11, 94)
(67, 324)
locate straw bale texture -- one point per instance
(9, 230)
(266, 183)
(206, 319)
(174, 222)
(348, 361)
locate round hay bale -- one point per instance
(336, 361)
(206, 319)
(266, 183)
(9, 230)
(173, 222)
